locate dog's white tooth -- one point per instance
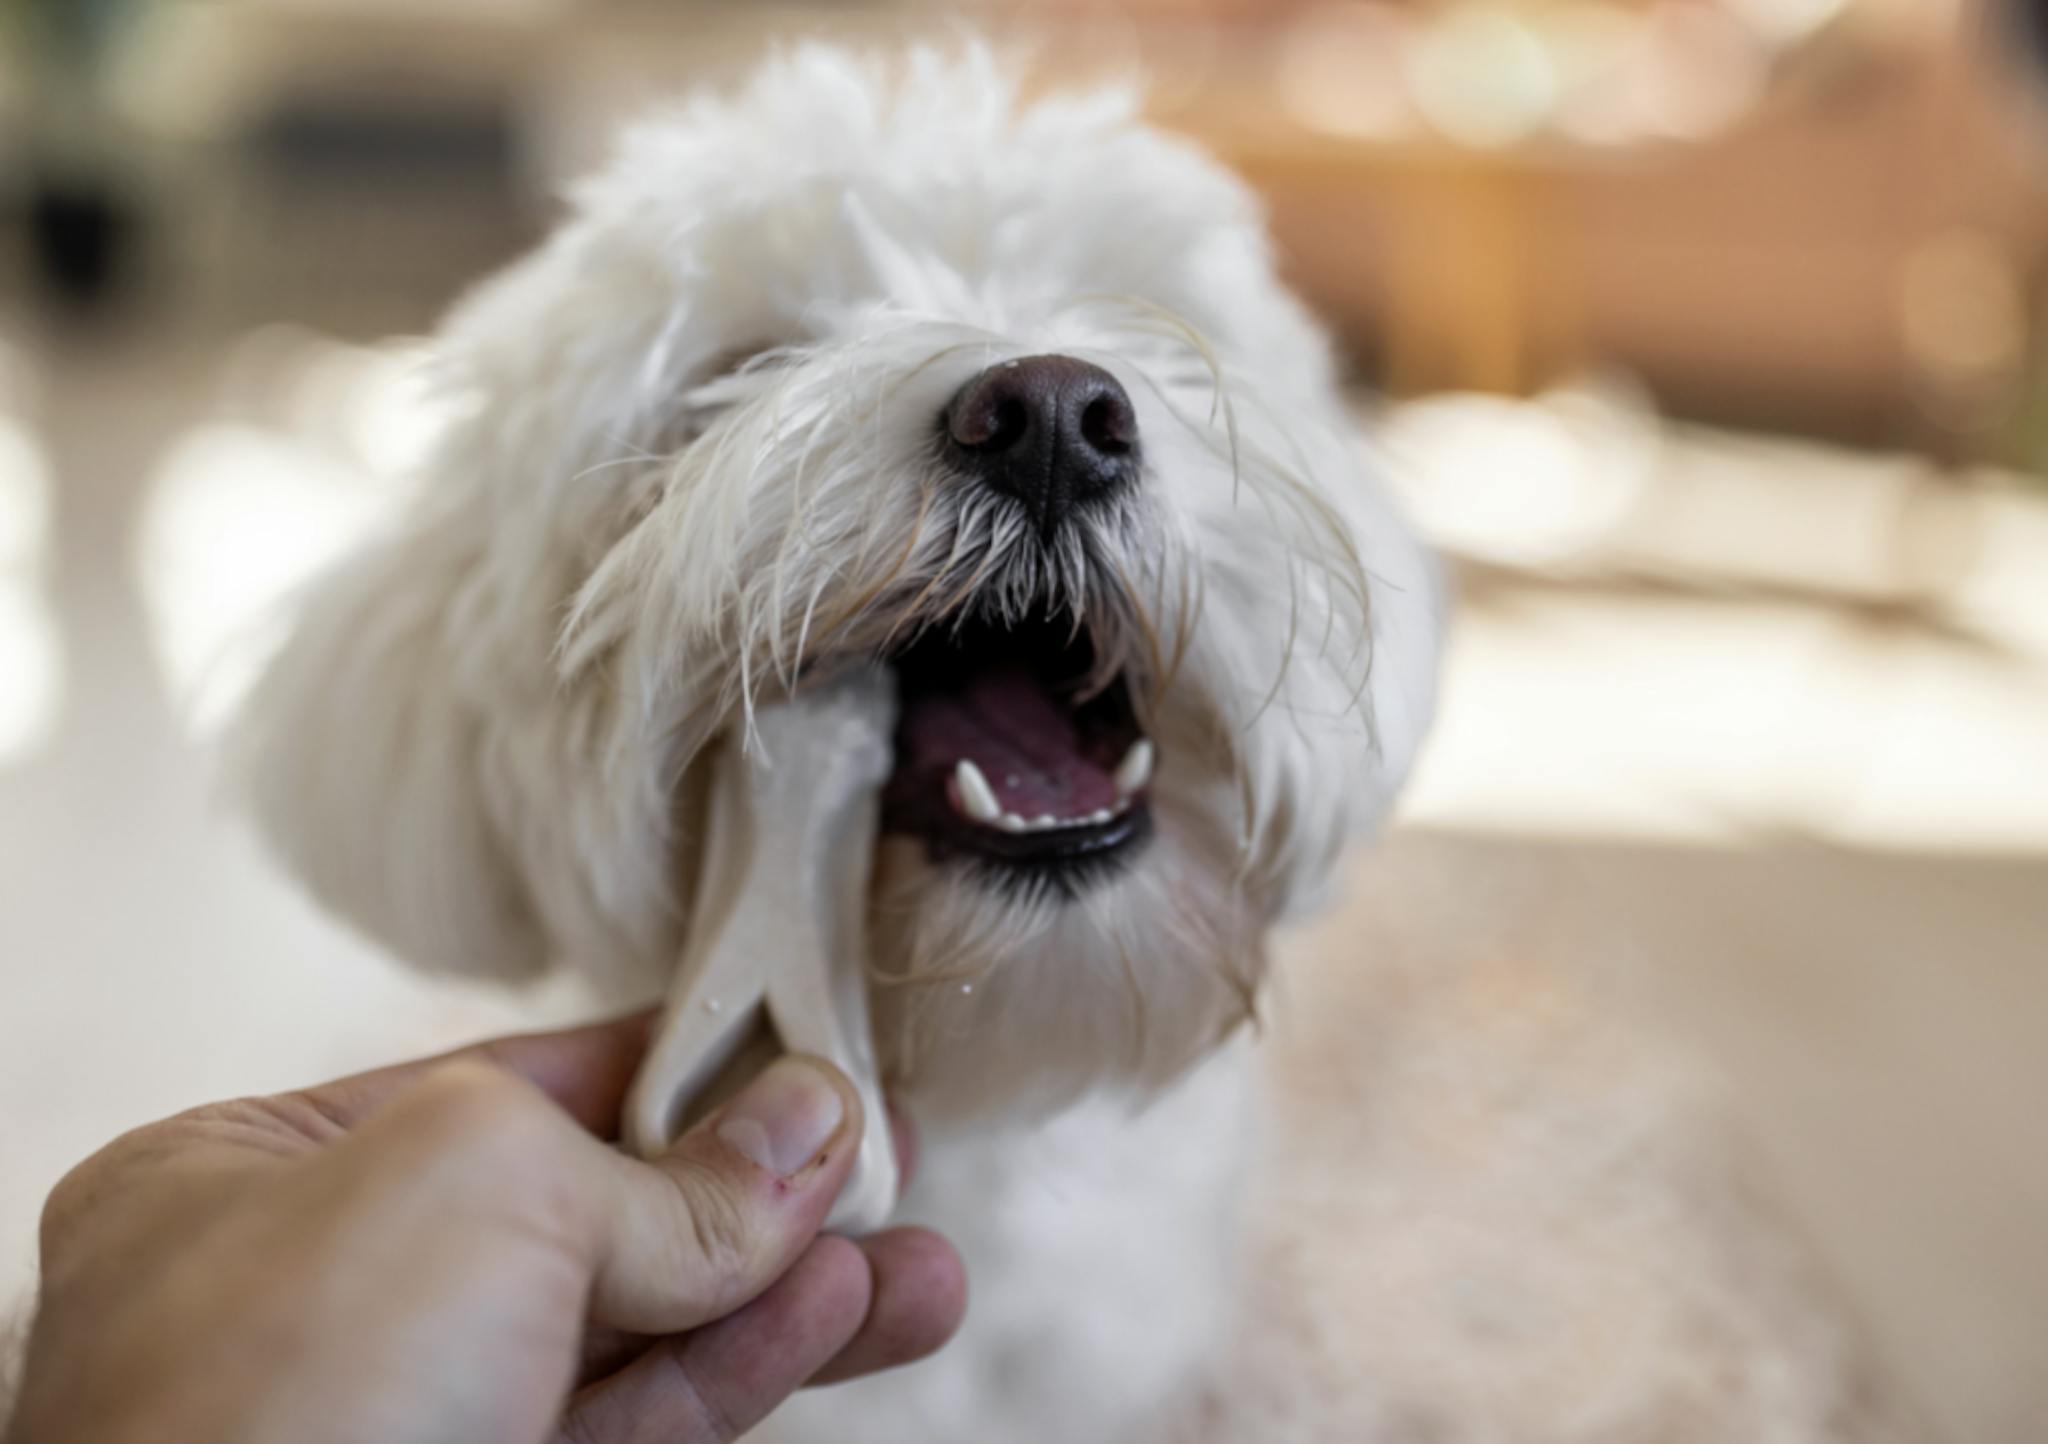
(1100, 815)
(1047, 820)
(977, 798)
(1136, 769)
(1011, 822)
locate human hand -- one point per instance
(446, 1251)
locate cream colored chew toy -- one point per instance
(775, 958)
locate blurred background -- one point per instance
(1707, 338)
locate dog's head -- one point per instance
(878, 362)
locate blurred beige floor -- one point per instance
(1774, 779)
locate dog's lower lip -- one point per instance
(1051, 848)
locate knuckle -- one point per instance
(716, 1230)
(96, 1180)
(581, 1426)
(299, 1118)
(72, 1200)
(713, 1419)
(468, 1104)
(102, 1195)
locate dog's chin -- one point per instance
(1019, 757)
(996, 1002)
(1054, 910)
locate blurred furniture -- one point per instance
(1841, 245)
(1821, 215)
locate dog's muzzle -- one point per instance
(1011, 749)
(1054, 433)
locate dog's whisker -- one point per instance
(598, 468)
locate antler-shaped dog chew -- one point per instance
(774, 961)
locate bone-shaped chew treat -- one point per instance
(774, 961)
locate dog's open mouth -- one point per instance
(1005, 753)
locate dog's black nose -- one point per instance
(1054, 432)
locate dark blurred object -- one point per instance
(82, 241)
(2028, 23)
(2032, 16)
(363, 204)
(72, 32)
(318, 141)
(82, 232)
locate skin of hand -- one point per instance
(448, 1251)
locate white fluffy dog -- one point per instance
(879, 361)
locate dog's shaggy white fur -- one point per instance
(696, 467)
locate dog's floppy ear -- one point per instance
(362, 758)
(415, 752)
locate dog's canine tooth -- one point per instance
(1011, 822)
(977, 799)
(1136, 769)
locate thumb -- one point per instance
(694, 1234)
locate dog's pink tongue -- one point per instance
(1019, 734)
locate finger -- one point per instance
(586, 1070)
(919, 1299)
(606, 1350)
(692, 1235)
(660, 1246)
(714, 1385)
